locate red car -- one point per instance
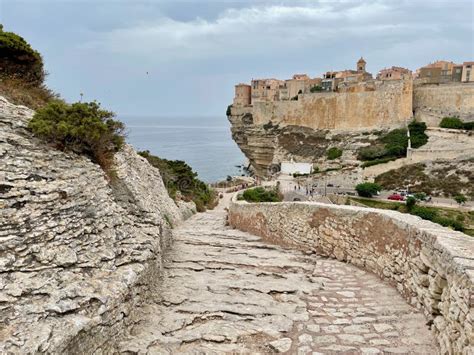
(396, 197)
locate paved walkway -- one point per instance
(227, 291)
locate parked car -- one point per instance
(396, 197)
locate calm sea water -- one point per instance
(204, 143)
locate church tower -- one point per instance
(361, 65)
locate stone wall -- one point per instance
(387, 104)
(77, 253)
(431, 266)
(433, 102)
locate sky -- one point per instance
(183, 57)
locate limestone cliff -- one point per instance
(267, 145)
(77, 253)
(271, 132)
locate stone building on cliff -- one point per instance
(393, 73)
(269, 90)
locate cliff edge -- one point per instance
(78, 253)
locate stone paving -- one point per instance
(225, 291)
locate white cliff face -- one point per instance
(76, 255)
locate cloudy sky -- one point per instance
(194, 51)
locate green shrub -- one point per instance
(417, 134)
(410, 203)
(18, 60)
(334, 153)
(367, 189)
(316, 88)
(259, 194)
(449, 222)
(394, 144)
(460, 199)
(372, 153)
(451, 122)
(424, 212)
(229, 110)
(421, 196)
(469, 126)
(179, 177)
(83, 128)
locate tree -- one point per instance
(368, 189)
(461, 199)
(410, 203)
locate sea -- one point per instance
(204, 143)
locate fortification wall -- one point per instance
(431, 266)
(433, 102)
(387, 104)
(77, 253)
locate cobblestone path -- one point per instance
(225, 291)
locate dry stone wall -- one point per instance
(431, 266)
(76, 255)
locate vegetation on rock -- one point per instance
(22, 72)
(456, 123)
(259, 194)
(394, 144)
(83, 128)
(444, 179)
(181, 181)
(334, 153)
(368, 189)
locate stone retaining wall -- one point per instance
(431, 266)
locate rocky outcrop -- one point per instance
(77, 253)
(267, 145)
(431, 266)
(271, 132)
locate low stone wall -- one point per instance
(431, 266)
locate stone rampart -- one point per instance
(386, 105)
(433, 102)
(431, 266)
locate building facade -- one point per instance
(467, 72)
(393, 73)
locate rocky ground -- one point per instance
(228, 291)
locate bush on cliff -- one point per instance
(18, 59)
(22, 72)
(394, 144)
(83, 128)
(367, 189)
(259, 194)
(456, 123)
(334, 153)
(179, 178)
